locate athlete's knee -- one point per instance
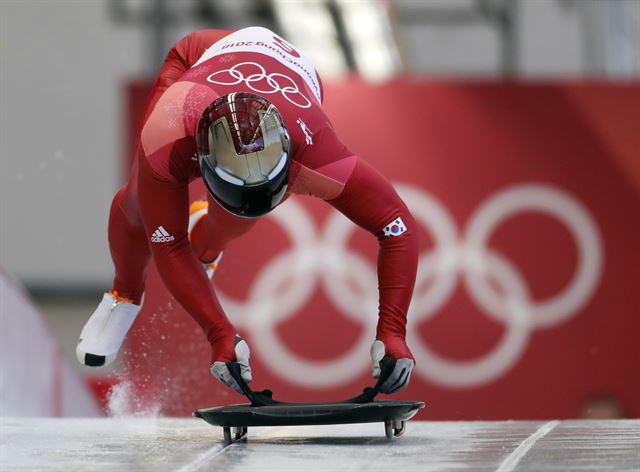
(125, 207)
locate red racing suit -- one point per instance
(149, 215)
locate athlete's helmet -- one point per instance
(244, 152)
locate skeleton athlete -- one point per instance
(242, 110)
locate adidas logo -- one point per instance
(161, 236)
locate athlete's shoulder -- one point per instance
(323, 166)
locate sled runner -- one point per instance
(265, 411)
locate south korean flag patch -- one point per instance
(395, 228)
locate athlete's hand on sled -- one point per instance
(401, 374)
(240, 356)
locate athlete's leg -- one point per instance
(105, 330)
(212, 233)
(128, 242)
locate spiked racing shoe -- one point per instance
(104, 332)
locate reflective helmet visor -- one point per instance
(244, 153)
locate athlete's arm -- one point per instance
(328, 170)
(370, 201)
(164, 203)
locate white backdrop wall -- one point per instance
(62, 67)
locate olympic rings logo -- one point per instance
(350, 282)
(255, 77)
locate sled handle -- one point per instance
(387, 364)
(264, 397)
(261, 398)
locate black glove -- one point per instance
(221, 371)
(401, 374)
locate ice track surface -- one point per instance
(190, 444)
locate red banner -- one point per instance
(526, 301)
